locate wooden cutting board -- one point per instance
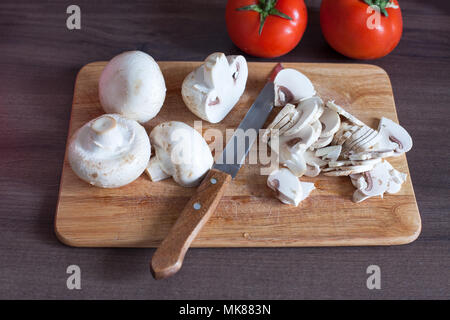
(141, 214)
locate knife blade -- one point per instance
(253, 120)
(169, 256)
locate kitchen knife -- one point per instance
(168, 258)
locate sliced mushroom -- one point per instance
(366, 155)
(313, 164)
(347, 170)
(302, 139)
(322, 142)
(330, 152)
(292, 86)
(307, 188)
(353, 163)
(181, 152)
(291, 149)
(367, 142)
(132, 85)
(310, 111)
(333, 106)
(393, 136)
(285, 119)
(109, 151)
(357, 144)
(382, 178)
(356, 136)
(376, 182)
(312, 170)
(287, 187)
(214, 88)
(330, 122)
(396, 181)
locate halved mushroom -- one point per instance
(109, 151)
(287, 187)
(132, 85)
(292, 86)
(393, 136)
(181, 152)
(214, 88)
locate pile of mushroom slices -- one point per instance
(311, 137)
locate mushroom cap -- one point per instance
(109, 151)
(132, 85)
(182, 152)
(214, 88)
(292, 86)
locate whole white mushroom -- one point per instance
(109, 151)
(181, 153)
(132, 85)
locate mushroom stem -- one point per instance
(155, 171)
(105, 133)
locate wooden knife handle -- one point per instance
(168, 258)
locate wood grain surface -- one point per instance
(141, 214)
(39, 61)
(169, 256)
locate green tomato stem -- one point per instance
(265, 8)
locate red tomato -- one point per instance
(351, 28)
(281, 31)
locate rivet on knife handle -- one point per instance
(168, 258)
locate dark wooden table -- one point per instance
(39, 59)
